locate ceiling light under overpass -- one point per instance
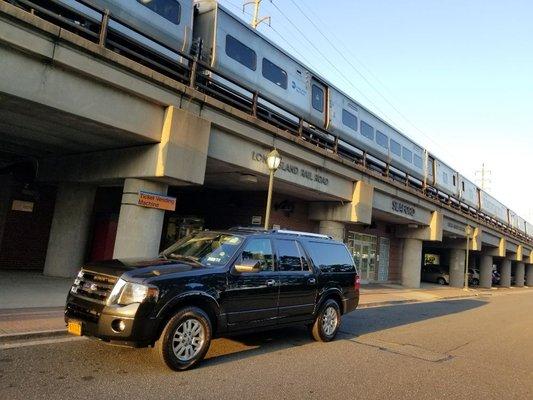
(248, 178)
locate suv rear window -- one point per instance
(331, 257)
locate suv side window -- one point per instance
(291, 256)
(331, 257)
(258, 250)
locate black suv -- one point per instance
(215, 284)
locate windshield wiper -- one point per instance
(188, 258)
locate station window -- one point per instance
(382, 139)
(418, 161)
(407, 155)
(349, 120)
(395, 148)
(274, 73)
(241, 53)
(318, 98)
(168, 9)
(367, 130)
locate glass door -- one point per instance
(363, 249)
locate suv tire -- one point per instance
(185, 339)
(327, 322)
(441, 281)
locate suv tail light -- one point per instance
(357, 283)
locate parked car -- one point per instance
(473, 276)
(215, 284)
(436, 274)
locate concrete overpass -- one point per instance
(94, 119)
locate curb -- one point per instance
(411, 301)
(13, 337)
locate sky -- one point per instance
(456, 76)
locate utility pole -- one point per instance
(256, 20)
(484, 179)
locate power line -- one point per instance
(299, 54)
(346, 79)
(484, 177)
(334, 47)
(256, 20)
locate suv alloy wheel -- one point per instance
(185, 339)
(327, 322)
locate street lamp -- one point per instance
(273, 161)
(468, 232)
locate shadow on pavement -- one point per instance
(357, 323)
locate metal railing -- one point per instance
(199, 75)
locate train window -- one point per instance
(318, 98)
(168, 9)
(274, 73)
(349, 119)
(382, 139)
(367, 130)
(407, 155)
(445, 178)
(241, 53)
(395, 148)
(463, 184)
(454, 180)
(418, 161)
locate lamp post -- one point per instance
(468, 231)
(273, 161)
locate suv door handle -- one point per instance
(311, 281)
(270, 282)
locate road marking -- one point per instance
(28, 343)
(408, 350)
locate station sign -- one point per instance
(155, 200)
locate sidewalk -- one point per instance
(31, 305)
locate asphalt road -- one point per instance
(472, 348)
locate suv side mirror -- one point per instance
(248, 266)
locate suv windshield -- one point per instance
(213, 249)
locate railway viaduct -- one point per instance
(97, 123)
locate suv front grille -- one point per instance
(93, 285)
(83, 313)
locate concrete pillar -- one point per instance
(529, 275)
(411, 263)
(485, 271)
(139, 228)
(519, 274)
(457, 267)
(505, 279)
(69, 234)
(333, 229)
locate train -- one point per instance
(228, 45)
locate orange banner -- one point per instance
(154, 200)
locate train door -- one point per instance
(431, 169)
(319, 102)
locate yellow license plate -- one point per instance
(74, 328)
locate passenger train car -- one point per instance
(169, 27)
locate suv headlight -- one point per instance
(125, 293)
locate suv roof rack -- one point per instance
(298, 233)
(247, 228)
